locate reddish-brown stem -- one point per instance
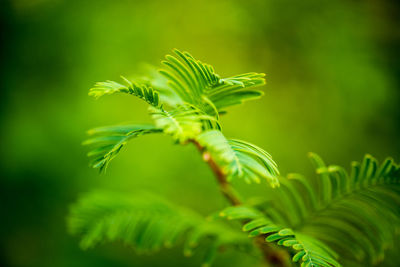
(272, 255)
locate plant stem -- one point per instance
(272, 255)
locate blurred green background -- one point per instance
(333, 76)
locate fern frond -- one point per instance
(184, 122)
(359, 209)
(356, 214)
(235, 90)
(158, 81)
(305, 249)
(239, 159)
(147, 223)
(189, 77)
(141, 91)
(198, 84)
(106, 142)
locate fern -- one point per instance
(356, 215)
(337, 219)
(197, 83)
(142, 91)
(147, 223)
(190, 120)
(106, 142)
(307, 249)
(235, 90)
(184, 122)
(240, 159)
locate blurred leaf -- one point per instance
(147, 223)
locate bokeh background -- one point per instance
(333, 76)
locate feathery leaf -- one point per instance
(107, 142)
(198, 84)
(239, 159)
(355, 214)
(305, 249)
(141, 91)
(184, 122)
(147, 223)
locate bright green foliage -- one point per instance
(148, 223)
(234, 90)
(184, 122)
(141, 91)
(240, 159)
(306, 249)
(333, 220)
(356, 215)
(202, 94)
(108, 141)
(198, 84)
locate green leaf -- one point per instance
(147, 223)
(357, 214)
(184, 122)
(141, 91)
(235, 90)
(107, 142)
(239, 159)
(353, 215)
(306, 249)
(198, 84)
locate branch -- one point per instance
(272, 255)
